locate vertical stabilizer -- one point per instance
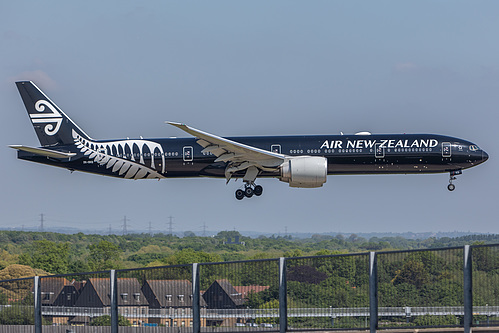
(52, 126)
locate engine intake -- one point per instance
(304, 171)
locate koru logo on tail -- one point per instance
(48, 118)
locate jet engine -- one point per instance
(304, 171)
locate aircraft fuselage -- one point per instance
(346, 154)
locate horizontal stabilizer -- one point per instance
(43, 151)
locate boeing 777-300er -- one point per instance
(300, 161)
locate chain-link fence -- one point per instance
(411, 280)
(76, 300)
(155, 298)
(328, 292)
(241, 295)
(485, 261)
(17, 305)
(367, 291)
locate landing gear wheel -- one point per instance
(258, 190)
(248, 192)
(239, 194)
(451, 187)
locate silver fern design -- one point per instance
(125, 157)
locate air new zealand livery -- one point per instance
(300, 161)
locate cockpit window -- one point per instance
(474, 147)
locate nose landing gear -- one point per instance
(250, 189)
(451, 187)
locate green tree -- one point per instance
(485, 258)
(146, 258)
(403, 294)
(228, 234)
(104, 255)
(7, 259)
(342, 266)
(189, 256)
(105, 320)
(17, 315)
(407, 295)
(78, 266)
(293, 253)
(413, 272)
(442, 293)
(305, 274)
(4, 299)
(254, 300)
(387, 294)
(47, 255)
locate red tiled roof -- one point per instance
(245, 290)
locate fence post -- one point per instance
(373, 292)
(114, 302)
(283, 301)
(38, 305)
(196, 318)
(468, 289)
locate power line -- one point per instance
(41, 222)
(170, 225)
(124, 225)
(204, 229)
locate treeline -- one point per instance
(62, 253)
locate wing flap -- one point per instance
(43, 151)
(203, 143)
(215, 150)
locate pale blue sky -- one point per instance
(122, 68)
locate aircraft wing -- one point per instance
(43, 151)
(232, 151)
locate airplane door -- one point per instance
(446, 149)
(379, 151)
(187, 154)
(275, 149)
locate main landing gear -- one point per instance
(451, 187)
(250, 189)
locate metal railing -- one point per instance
(453, 287)
(406, 311)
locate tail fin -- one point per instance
(52, 126)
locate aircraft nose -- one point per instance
(485, 156)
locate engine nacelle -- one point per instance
(304, 171)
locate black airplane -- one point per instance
(301, 161)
